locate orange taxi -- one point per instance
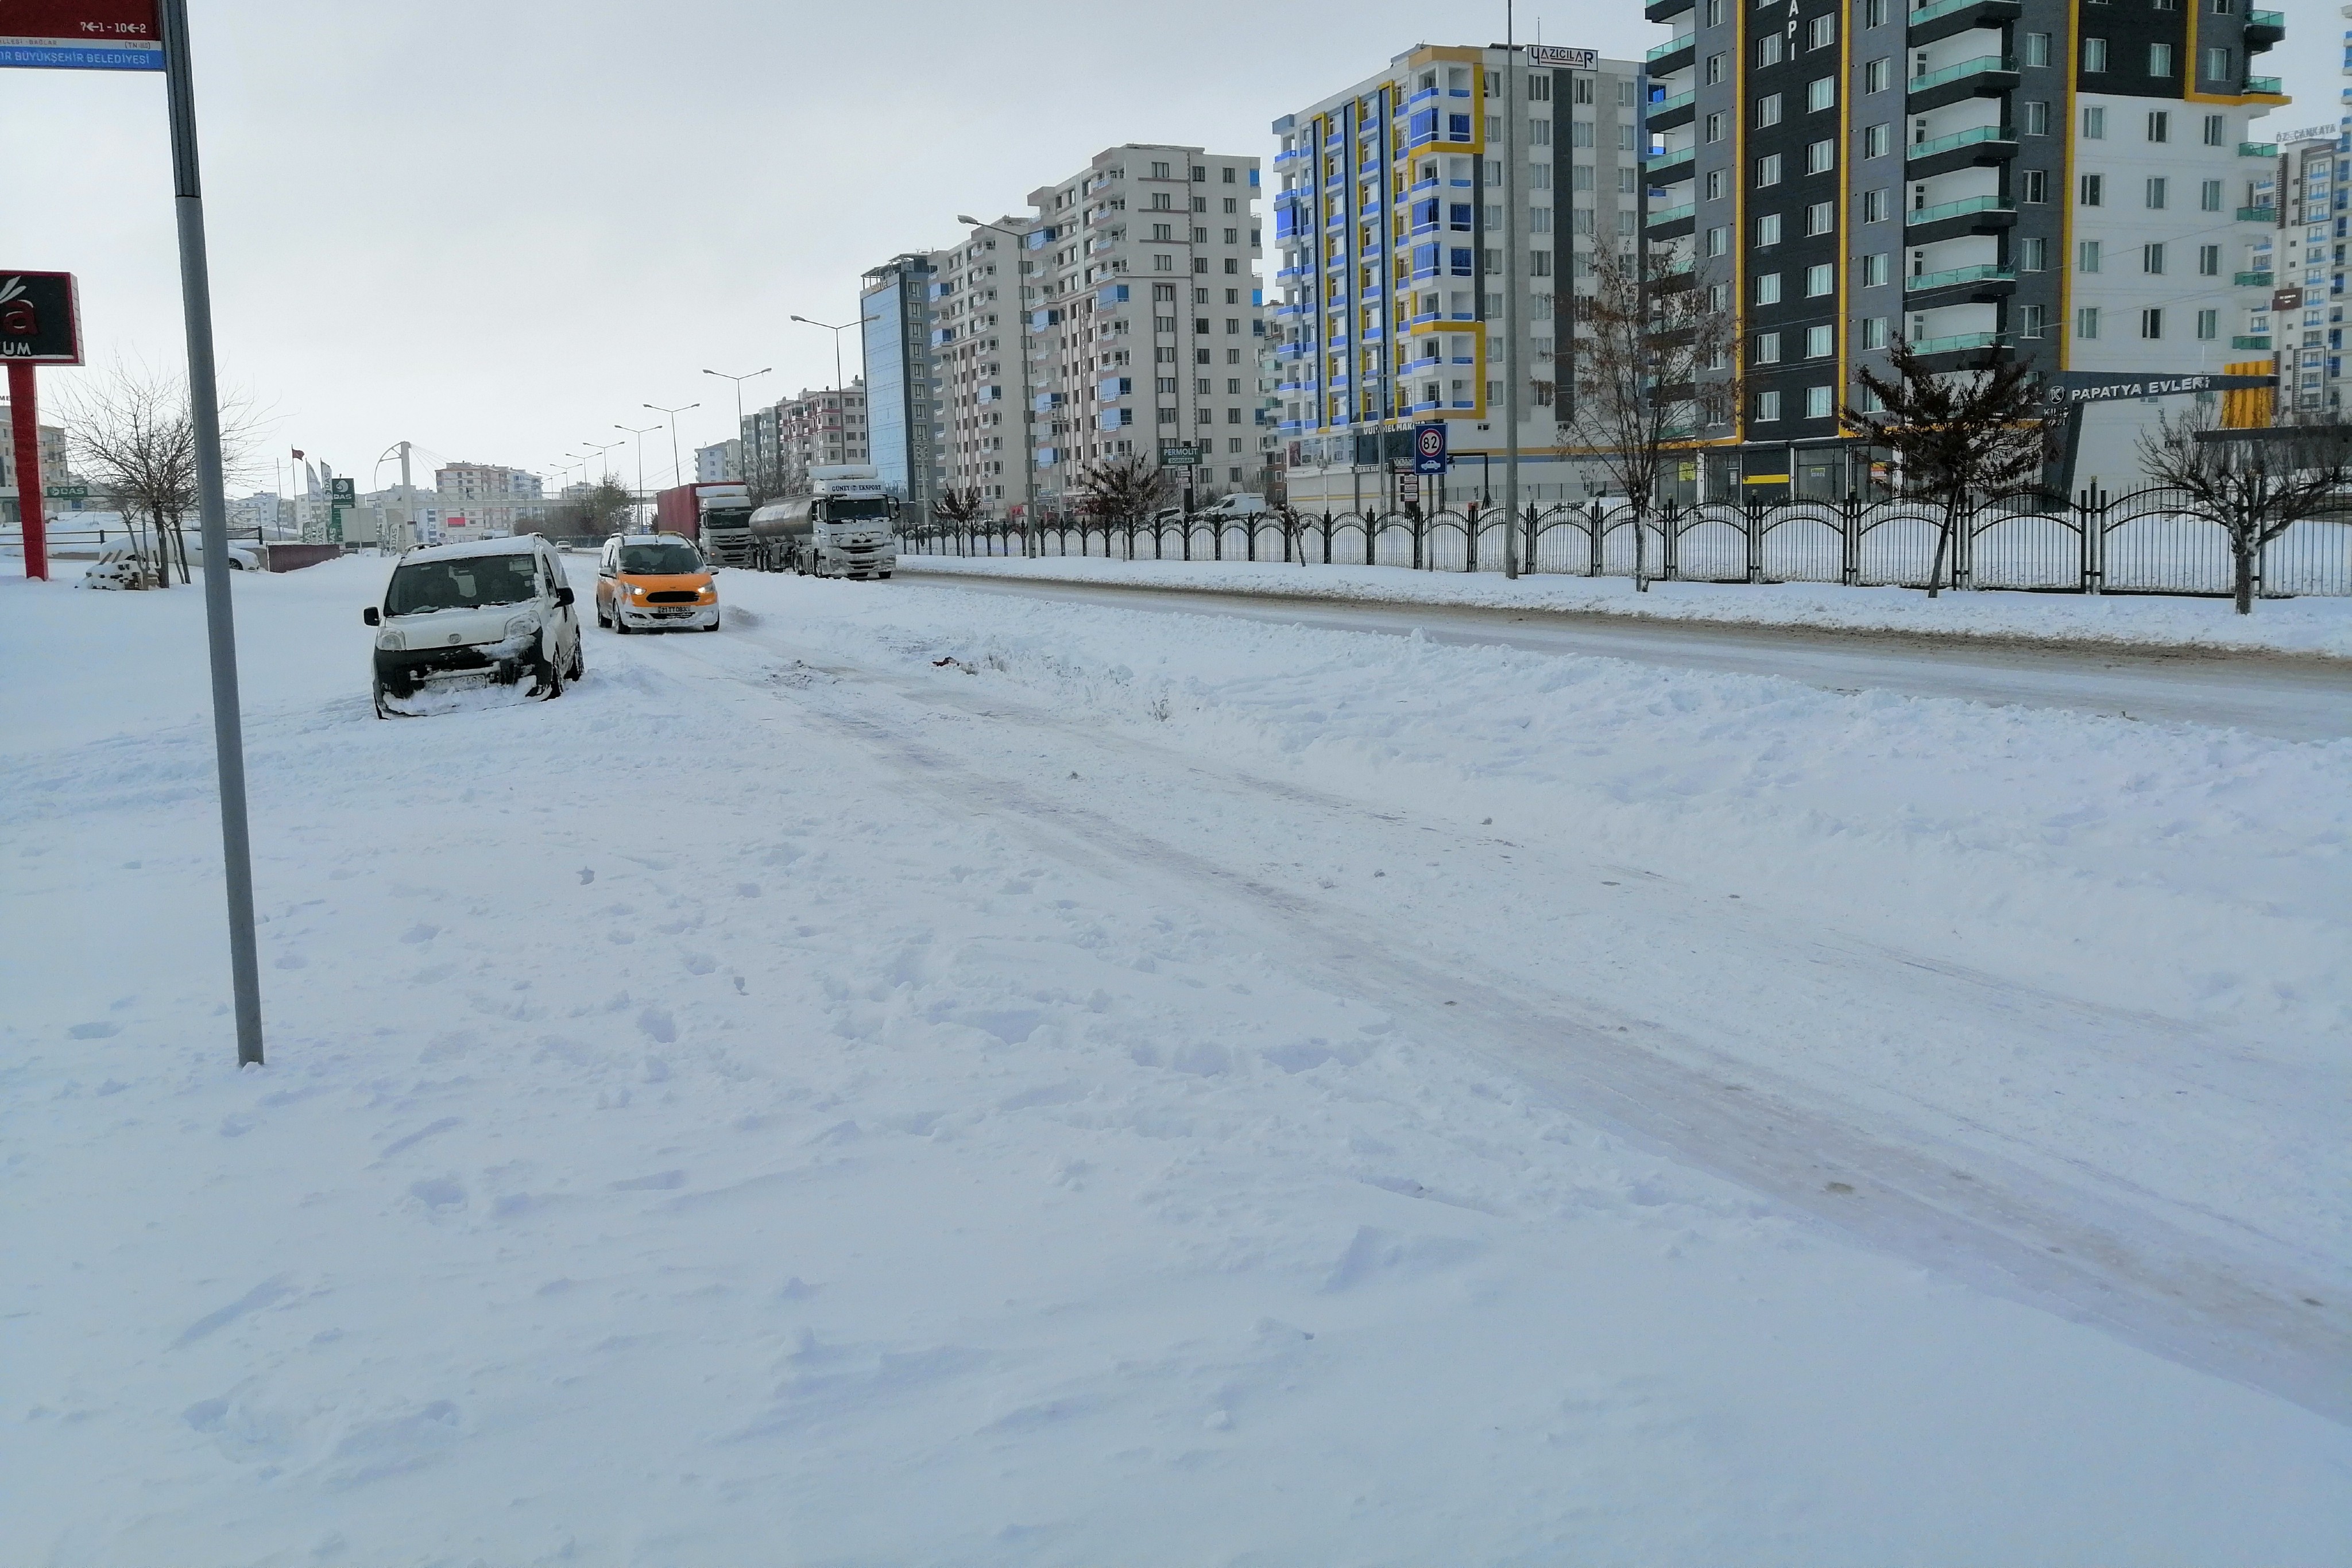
(654, 582)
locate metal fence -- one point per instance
(2143, 542)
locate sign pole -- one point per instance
(24, 417)
(212, 508)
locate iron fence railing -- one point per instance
(2144, 542)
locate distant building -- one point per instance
(480, 500)
(719, 463)
(895, 304)
(54, 471)
(826, 425)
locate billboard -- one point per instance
(40, 316)
(81, 35)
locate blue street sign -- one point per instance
(1429, 449)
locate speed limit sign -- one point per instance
(1429, 449)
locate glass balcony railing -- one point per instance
(1680, 101)
(1959, 344)
(1687, 40)
(1960, 208)
(2257, 149)
(2261, 343)
(2266, 19)
(1661, 162)
(2258, 214)
(2255, 279)
(2265, 87)
(1660, 218)
(1962, 71)
(1943, 8)
(1922, 282)
(1970, 137)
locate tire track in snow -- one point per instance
(2093, 1249)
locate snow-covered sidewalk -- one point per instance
(936, 1077)
(2304, 626)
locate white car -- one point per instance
(1240, 503)
(490, 611)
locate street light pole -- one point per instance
(640, 435)
(673, 414)
(1511, 230)
(838, 332)
(739, 382)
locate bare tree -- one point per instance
(130, 431)
(1122, 489)
(1657, 364)
(1955, 435)
(961, 508)
(2255, 487)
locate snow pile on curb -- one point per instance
(2302, 626)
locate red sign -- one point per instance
(40, 318)
(81, 35)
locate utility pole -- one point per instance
(739, 382)
(673, 414)
(640, 435)
(212, 510)
(1510, 294)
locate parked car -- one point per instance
(653, 582)
(1240, 503)
(487, 612)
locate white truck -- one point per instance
(847, 527)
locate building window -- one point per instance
(2034, 185)
(1713, 128)
(1877, 269)
(2035, 50)
(1768, 170)
(1768, 407)
(1878, 75)
(2094, 123)
(2086, 323)
(2218, 63)
(1821, 217)
(2033, 253)
(1820, 279)
(2159, 60)
(1713, 71)
(1822, 31)
(2209, 196)
(1768, 288)
(1767, 229)
(2156, 188)
(2151, 259)
(1821, 341)
(1877, 140)
(1715, 185)
(2036, 322)
(2095, 54)
(1876, 205)
(2209, 325)
(1873, 331)
(1767, 349)
(1821, 157)
(2151, 323)
(2159, 125)
(2208, 261)
(1821, 93)
(2215, 130)
(2033, 118)
(1873, 12)
(1768, 49)
(1718, 240)
(1820, 402)
(2095, 190)
(2087, 256)
(1767, 110)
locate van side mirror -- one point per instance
(564, 596)
(372, 615)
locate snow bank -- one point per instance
(720, 1115)
(2316, 626)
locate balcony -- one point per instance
(1663, 10)
(1980, 144)
(1672, 56)
(2259, 216)
(2257, 149)
(2261, 343)
(1671, 223)
(1987, 76)
(1665, 113)
(2264, 28)
(1948, 18)
(1666, 168)
(1950, 220)
(2255, 279)
(1959, 285)
(1956, 349)
(2264, 87)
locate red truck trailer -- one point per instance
(718, 517)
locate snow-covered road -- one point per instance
(2296, 698)
(925, 1076)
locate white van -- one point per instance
(489, 610)
(1240, 503)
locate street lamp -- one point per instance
(806, 321)
(673, 414)
(600, 452)
(641, 435)
(739, 382)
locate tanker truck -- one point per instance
(846, 528)
(718, 517)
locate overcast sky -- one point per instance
(498, 228)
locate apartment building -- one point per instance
(1143, 316)
(895, 306)
(979, 365)
(2304, 263)
(719, 462)
(2073, 181)
(55, 473)
(780, 443)
(476, 500)
(1390, 227)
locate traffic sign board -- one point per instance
(81, 35)
(40, 318)
(65, 492)
(1180, 457)
(1429, 449)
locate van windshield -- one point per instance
(858, 510)
(668, 558)
(468, 584)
